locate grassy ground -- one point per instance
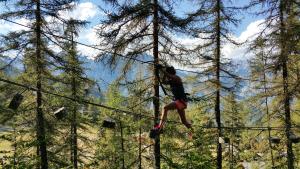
(5, 149)
(5, 146)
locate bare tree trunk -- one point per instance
(287, 117)
(140, 126)
(268, 116)
(122, 146)
(267, 107)
(140, 146)
(74, 114)
(231, 152)
(286, 95)
(156, 85)
(217, 101)
(39, 116)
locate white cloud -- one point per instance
(6, 26)
(89, 37)
(238, 53)
(229, 50)
(82, 11)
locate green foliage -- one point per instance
(127, 31)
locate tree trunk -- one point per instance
(268, 116)
(140, 119)
(140, 146)
(156, 85)
(74, 111)
(286, 95)
(267, 107)
(39, 116)
(122, 146)
(287, 117)
(217, 101)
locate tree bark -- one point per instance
(217, 101)
(140, 146)
(156, 84)
(39, 66)
(74, 111)
(267, 106)
(140, 118)
(286, 95)
(122, 146)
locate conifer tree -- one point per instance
(36, 11)
(233, 116)
(110, 150)
(261, 77)
(212, 20)
(134, 28)
(280, 38)
(76, 83)
(139, 101)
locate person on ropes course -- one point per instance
(180, 98)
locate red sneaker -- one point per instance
(157, 127)
(190, 133)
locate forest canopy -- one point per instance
(150, 84)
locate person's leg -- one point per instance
(171, 106)
(181, 113)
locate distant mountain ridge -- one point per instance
(98, 72)
(104, 76)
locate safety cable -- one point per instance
(140, 115)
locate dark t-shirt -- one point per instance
(177, 90)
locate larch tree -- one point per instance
(262, 86)
(134, 29)
(110, 150)
(139, 101)
(40, 15)
(212, 22)
(280, 34)
(76, 86)
(234, 117)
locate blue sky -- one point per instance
(89, 10)
(246, 18)
(247, 27)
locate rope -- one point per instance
(140, 115)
